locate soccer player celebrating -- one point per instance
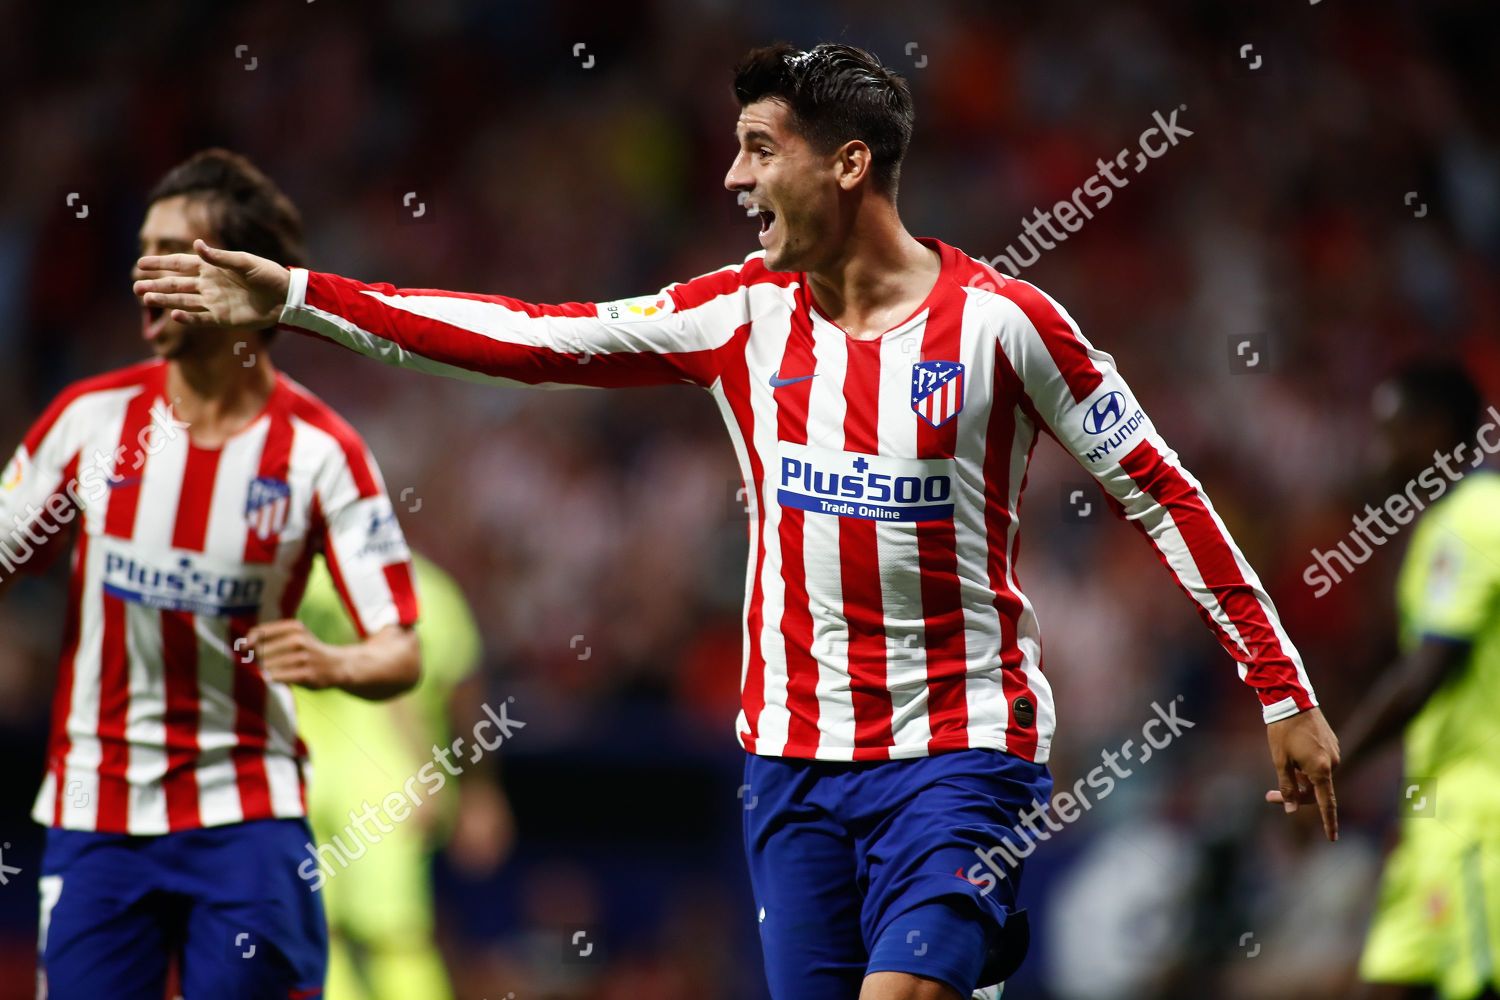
(1437, 923)
(883, 394)
(203, 482)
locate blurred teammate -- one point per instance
(204, 482)
(380, 920)
(883, 394)
(1437, 924)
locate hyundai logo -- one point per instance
(1105, 413)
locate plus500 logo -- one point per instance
(182, 586)
(872, 487)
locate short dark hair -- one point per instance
(836, 93)
(246, 209)
(1441, 389)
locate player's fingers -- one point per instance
(266, 630)
(166, 283)
(1328, 805)
(233, 260)
(1288, 789)
(276, 651)
(182, 263)
(191, 301)
(271, 643)
(193, 317)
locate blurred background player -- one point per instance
(204, 482)
(380, 919)
(1436, 929)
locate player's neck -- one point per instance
(880, 279)
(218, 394)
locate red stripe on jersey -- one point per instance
(180, 672)
(735, 382)
(248, 753)
(705, 288)
(937, 549)
(195, 498)
(1067, 351)
(62, 698)
(180, 647)
(275, 457)
(796, 615)
(1268, 669)
(859, 565)
(998, 519)
(398, 579)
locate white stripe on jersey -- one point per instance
(896, 548)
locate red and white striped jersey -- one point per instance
(883, 617)
(162, 721)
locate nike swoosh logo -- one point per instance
(777, 381)
(116, 484)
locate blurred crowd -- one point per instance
(1337, 204)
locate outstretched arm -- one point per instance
(669, 337)
(1075, 392)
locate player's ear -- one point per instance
(852, 163)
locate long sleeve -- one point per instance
(1079, 396)
(670, 337)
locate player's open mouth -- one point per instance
(153, 321)
(761, 213)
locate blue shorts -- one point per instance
(225, 900)
(876, 867)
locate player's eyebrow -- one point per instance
(754, 135)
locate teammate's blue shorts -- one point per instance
(226, 901)
(871, 867)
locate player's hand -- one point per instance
(289, 653)
(219, 288)
(1305, 753)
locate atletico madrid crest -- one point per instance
(266, 505)
(937, 390)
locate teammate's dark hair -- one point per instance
(246, 209)
(836, 93)
(1442, 389)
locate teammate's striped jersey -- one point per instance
(883, 617)
(162, 721)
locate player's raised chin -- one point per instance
(802, 198)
